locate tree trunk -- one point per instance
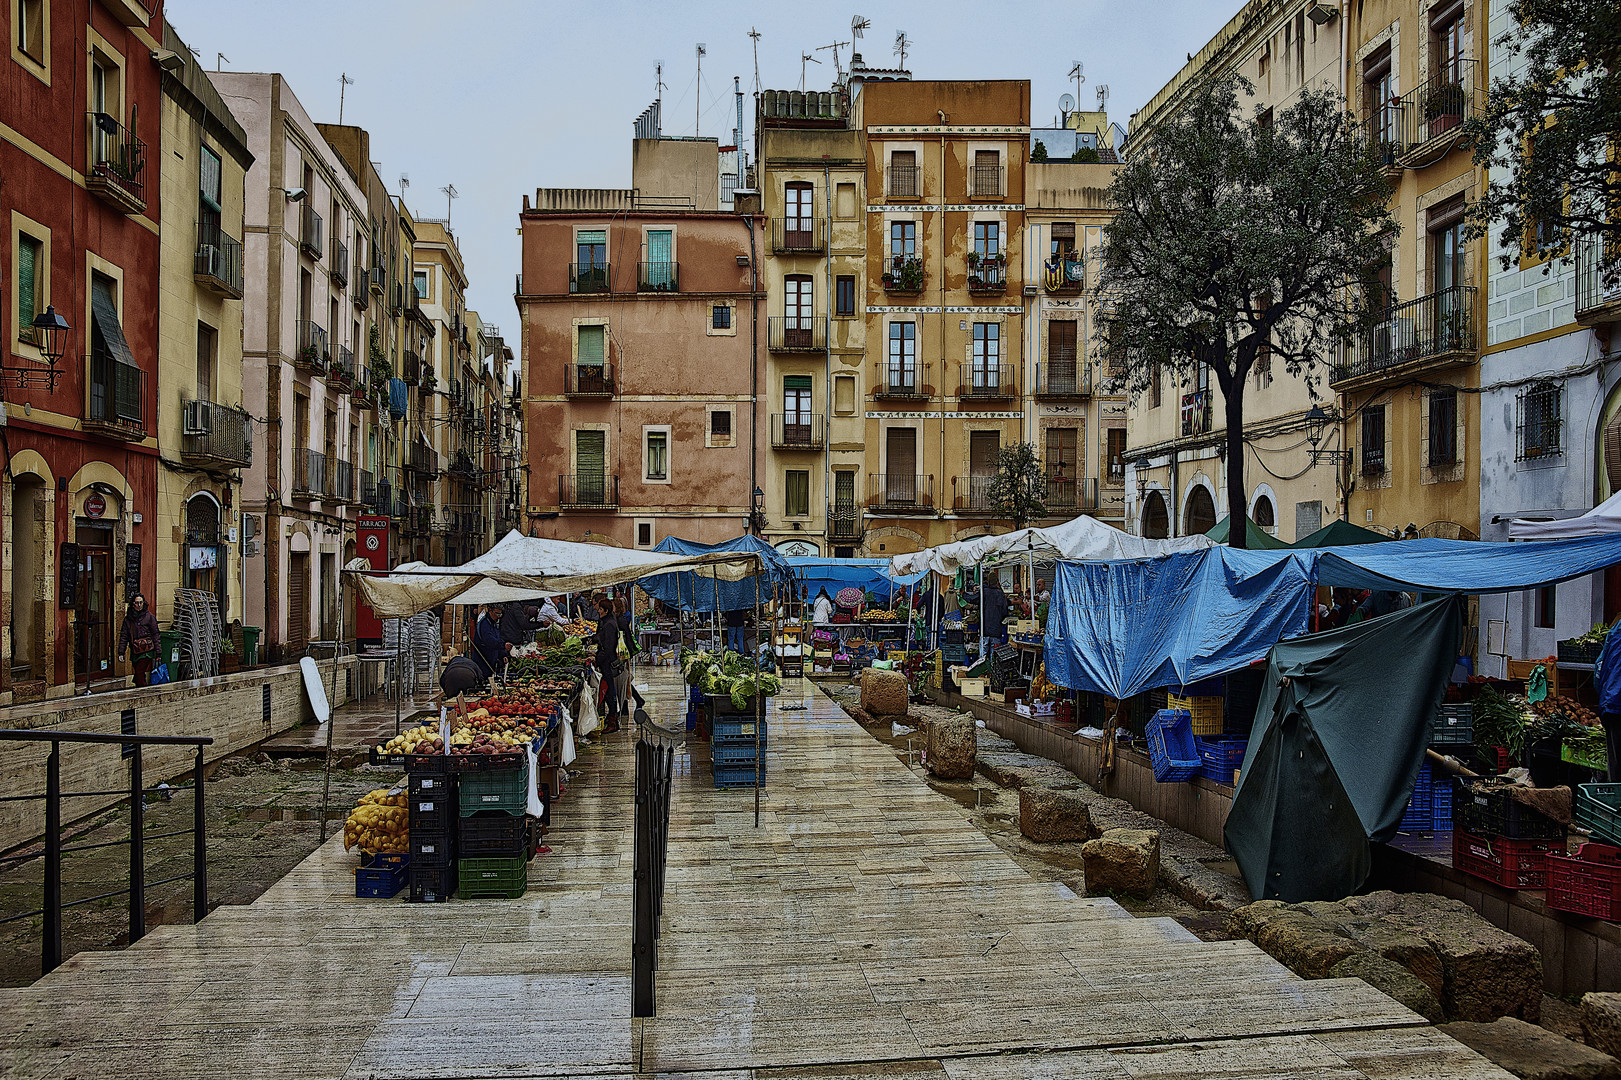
(1237, 500)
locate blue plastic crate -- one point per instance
(1441, 805)
(379, 881)
(732, 753)
(1171, 748)
(737, 728)
(737, 776)
(1420, 815)
(1220, 755)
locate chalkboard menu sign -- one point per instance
(67, 581)
(132, 570)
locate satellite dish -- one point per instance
(1066, 103)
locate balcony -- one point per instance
(1433, 115)
(217, 265)
(117, 164)
(421, 459)
(461, 465)
(363, 391)
(313, 353)
(900, 493)
(397, 303)
(117, 404)
(1198, 413)
(360, 294)
(797, 333)
(379, 278)
(368, 489)
(382, 498)
(587, 491)
(1064, 274)
(1596, 301)
(903, 275)
(903, 182)
(1382, 126)
(588, 380)
(902, 382)
(797, 236)
(1067, 496)
(972, 495)
(342, 372)
(439, 521)
(309, 474)
(311, 233)
(658, 277)
(1432, 331)
(845, 522)
(215, 435)
(343, 482)
(410, 367)
(399, 397)
(589, 278)
(1063, 378)
(796, 431)
(987, 275)
(981, 382)
(339, 262)
(986, 181)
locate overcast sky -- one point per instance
(499, 97)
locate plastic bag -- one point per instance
(568, 755)
(159, 675)
(534, 807)
(588, 720)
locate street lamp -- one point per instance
(51, 338)
(757, 516)
(1317, 421)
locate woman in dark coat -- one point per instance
(140, 636)
(607, 656)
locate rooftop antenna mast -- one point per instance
(658, 84)
(698, 92)
(344, 83)
(1078, 73)
(220, 58)
(838, 68)
(1103, 97)
(450, 193)
(754, 38)
(803, 59)
(902, 45)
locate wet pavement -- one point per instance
(865, 928)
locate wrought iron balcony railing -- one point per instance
(592, 277)
(903, 274)
(845, 521)
(989, 275)
(313, 353)
(217, 265)
(986, 382)
(588, 380)
(797, 236)
(900, 492)
(1063, 376)
(1198, 413)
(343, 481)
(339, 262)
(117, 405)
(658, 277)
(972, 494)
(312, 234)
(587, 491)
(797, 333)
(1067, 494)
(1440, 325)
(986, 181)
(903, 182)
(117, 164)
(1596, 302)
(796, 431)
(907, 381)
(213, 434)
(309, 473)
(1433, 115)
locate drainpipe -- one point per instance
(945, 242)
(754, 376)
(827, 369)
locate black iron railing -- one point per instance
(588, 380)
(903, 182)
(796, 333)
(973, 494)
(797, 235)
(117, 397)
(985, 181)
(215, 435)
(342, 374)
(218, 261)
(422, 459)
(844, 521)
(1437, 110)
(987, 382)
(1595, 301)
(900, 491)
(588, 491)
(796, 431)
(655, 761)
(592, 277)
(988, 275)
(117, 162)
(368, 489)
(1071, 493)
(339, 262)
(313, 353)
(1063, 376)
(309, 473)
(903, 274)
(1440, 324)
(1198, 414)
(343, 481)
(312, 232)
(658, 276)
(902, 380)
(53, 904)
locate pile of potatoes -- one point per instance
(380, 822)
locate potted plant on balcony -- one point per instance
(1443, 108)
(311, 356)
(910, 276)
(888, 280)
(973, 260)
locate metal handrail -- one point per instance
(655, 760)
(53, 906)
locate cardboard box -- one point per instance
(974, 687)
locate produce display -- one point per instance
(380, 822)
(1594, 636)
(727, 675)
(580, 628)
(423, 739)
(560, 651)
(879, 615)
(497, 724)
(1514, 723)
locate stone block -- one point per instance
(1247, 920)
(1390, 979)
(1311, 948)
(951, 748)
(1533, 1053)
(1122, 861)
(884, 693)
(1601, 1021)
(1049, 814)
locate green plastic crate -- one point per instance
(499, 789)
(491, 878)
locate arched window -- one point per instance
(1156, 520)
(1263, 514)
(202, 520)
(1200, 516)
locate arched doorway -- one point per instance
(1264, 515)
(1200, 515)
(1156, 519)
(28, 610)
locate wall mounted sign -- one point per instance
(132, 570)
(95, 505)
(67, 576)
(945, 416)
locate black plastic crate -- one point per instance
(432, 885)
(431, 784)
(433, 813)
(466, 763)
(1587, 652)
(1454, 726)
(723, 706)
(952, 637)
(1492, 813)
(494, 834)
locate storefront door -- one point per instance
(97, 616)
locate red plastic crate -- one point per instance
(1588, 882)
(1513, 864)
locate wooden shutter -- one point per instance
(27, 282)
(983, 447)
(591, 345)
(298, 603)
(901, 444)
(590, 453)
(1612, 452)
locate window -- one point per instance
(902, 241)
(591, 249)
(796, 493)
(419, 285)
(1063, 238)
(720, 427)
(844, 287)
(1446, 45)
(1541, 422)
(1373, 439)
(661, 267)
(31, 27)
(799, 207)
(209, 189)
(1063, 372)
(30, 285)
(903, 178)
(796, 399)
(1116, 440)
(644, 534)
(1447, 267)
(1443, 433)
(844, 395)
(902, 355)
(656, 454)
(1263, 514)
(987, 237)
(799, 302)
(987, 178)
(1062, 461)
(590, 348)
(1156, 387)
(987, 356)
(720, 317)
(115, 379)
(207, 345)
(844, 201)
(1379, 104)
(1546, 602)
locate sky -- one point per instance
(500, 97)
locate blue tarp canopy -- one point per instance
(695, 591)
(1123, 627)
(815, 574)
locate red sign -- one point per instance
(371, 544)
(95, 505)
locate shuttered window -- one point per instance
(208, 182)
(1443, 434)
(30, 264)
(591, 350)
(590, 453)
(796, 487)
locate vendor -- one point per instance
(517, 627)
(993, 610)
(462, 675)
(822, 611)
(489, 648)
(736, 639)
(549, 615)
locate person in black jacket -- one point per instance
(516, 626)
(993, 610)
(489, 649)
(607, 657)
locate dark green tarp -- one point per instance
(1340, 533)
(1339, 736)
(1259, 539)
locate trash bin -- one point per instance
(250, 646)
(169, 641)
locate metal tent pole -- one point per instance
(759, 703)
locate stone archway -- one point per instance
(1199, 515)
(1156, 518)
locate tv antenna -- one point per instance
(902, 45)
(220, 58)
(857, 25)
(754, 39)
(658, 83)
(803, 59)
(1078, 73)
(450, 194)
(836, 46)
(1103, 97)
(698, 91)
(344, 83)
(405, 182)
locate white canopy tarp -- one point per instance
(1603, 518)
(1084, 539)
(522, 567)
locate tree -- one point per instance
(1549, 135)
(1040, 151)
(1019, 488)
(1231, 234)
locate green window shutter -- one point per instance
(592, 236)
(209, 180)
(591, 345)
(27, 280)
(590, 453)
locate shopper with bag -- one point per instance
(625, 687)
(139, 635)
(607, 657)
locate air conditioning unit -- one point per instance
(210, 256)
(195, 419)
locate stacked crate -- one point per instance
(1501, 840)
(493, 832)
(732, 750)
(432, 794)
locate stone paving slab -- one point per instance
(865, 930)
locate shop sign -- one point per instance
(203, 558)
(95, 505)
